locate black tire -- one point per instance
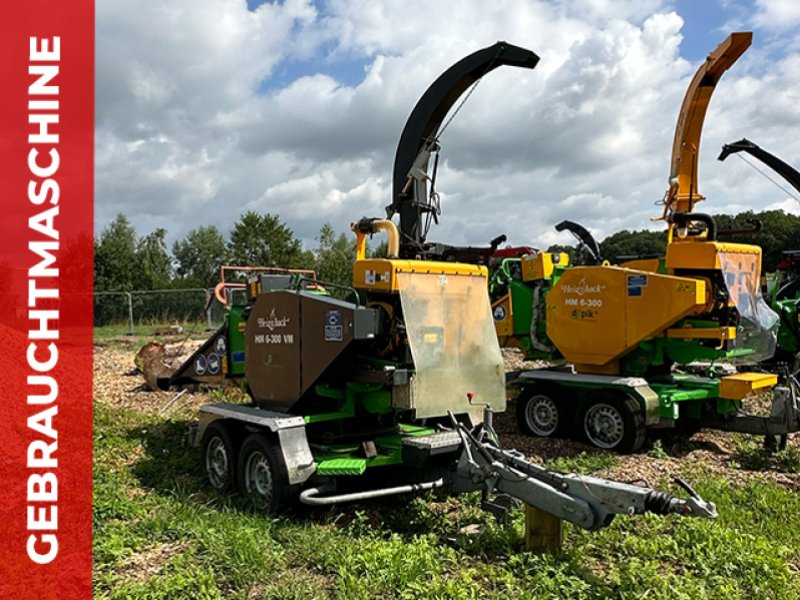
(540, 412)
(614, 422)
(219, 457)
(262, 473)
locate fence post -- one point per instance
(209, 294)
(130, 312)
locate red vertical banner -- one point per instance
(46, 166)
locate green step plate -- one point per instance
(342, 466)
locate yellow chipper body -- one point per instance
(652, 341)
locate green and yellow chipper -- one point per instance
(650, 342)
(389, 386)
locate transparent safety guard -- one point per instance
(756, 335)
(453, 343)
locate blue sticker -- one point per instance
(219, 345)
(499, 313)
(637, 280)
(634, 291)
(214, 364)
(200, 365)
(333, 326)
(238, 357)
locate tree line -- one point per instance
(780, 231)
(125, 261)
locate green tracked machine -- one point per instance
(389, 386)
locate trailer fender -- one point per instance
(649, 401)
(290, 431)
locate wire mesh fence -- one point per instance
(139, 308)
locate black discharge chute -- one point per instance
(584, 237)
(420, 138)
(789, 173)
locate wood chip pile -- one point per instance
(118, 382)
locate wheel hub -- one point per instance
(217, 463)
(542, 415)
(258, 476)
(604, 426)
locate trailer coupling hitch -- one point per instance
(587, 501)
(662, 503)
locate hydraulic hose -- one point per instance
(682, 219)
(369, 226)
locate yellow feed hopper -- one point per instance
(596, 314)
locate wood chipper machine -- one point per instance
(654, 341)
(389, 386)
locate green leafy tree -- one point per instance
(633, 243)
(114, 269)
(262, 240)
(780, 231)
(199, 255)
(115, 256)
(335, 256)
(154, 264)
(380, 251)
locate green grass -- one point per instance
(585, 462)
(159, 532)
(110, 332)
(752, 455)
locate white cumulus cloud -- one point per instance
(207, 109)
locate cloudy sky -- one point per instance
(206, 109)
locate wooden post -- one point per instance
(543, 531)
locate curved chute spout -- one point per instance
(683, 191)
(418, 139)
(789, 173)
(584, 237)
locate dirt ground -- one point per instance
(118, 382)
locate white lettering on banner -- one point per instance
(43, 193)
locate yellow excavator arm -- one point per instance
(683, 191)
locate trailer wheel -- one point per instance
(540, 413)
(219, 457)
(262, 473)
(614, 423)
